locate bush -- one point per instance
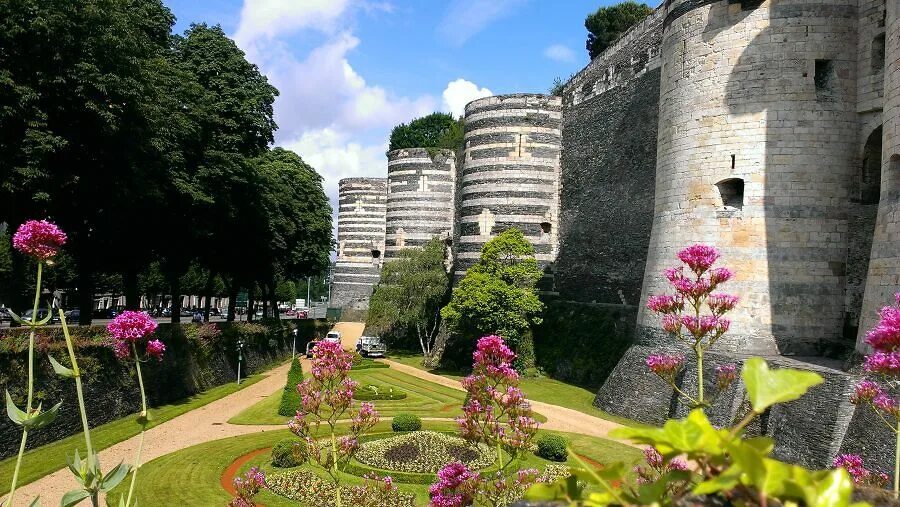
(552, 447)
(288, 453)
(406, 422)
(290, 399)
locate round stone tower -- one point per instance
(510, 176)
(361, 210)
(757, 144)
(420, 198)
(883, 280)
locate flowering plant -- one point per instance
(312, 490)
(695, 317)
(423, 452)
(458, 486)
(884, 362)
(853, 464)
(247, 487)
(325, 398)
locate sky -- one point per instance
(350, 70)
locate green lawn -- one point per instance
(48, 458)
(543, 389)
(192, 476)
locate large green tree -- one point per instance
(498, 295)
(410, 294)
(437, 130)
(609, 23)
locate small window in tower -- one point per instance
(376, 254)
(732, 192)
(546, 227)
(448, 241)
(878, 51)
(825, 75)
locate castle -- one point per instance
(768, 128)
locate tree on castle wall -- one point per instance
(609, 23)
(437, 130)
(498, 296)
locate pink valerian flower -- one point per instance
(721, 303)
(698, 257)
(671, 323)
(247, 487)
(130, 326)
(39, 239)
(155, 349)
(455, 486)
(725, 375)
(865, 392)
(853, 463)
(665, 366)
(884, 363)
(492, 350)
(657, 466)
(887, 404)
(665, 304)
(885, 336)
(719, 275)
(121, 349)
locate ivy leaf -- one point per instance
(725, 481)
(42, 419)
(767, 387)
(114, 477)
(15, 415)
(692, 435)
(74, 497)
(60, 369)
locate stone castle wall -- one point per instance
(420, 198)
(361, 226)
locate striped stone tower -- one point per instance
(883, 280)
(361, 210)
(510, 177)
(420, 198)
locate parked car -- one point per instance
(104, 313)
(197, 316)
(41, 315)
(290, 312)
(371, 346)
(185, 312)
(302, 314)
(215, 311)
(73, 315)
(5, 315)
(333, 336)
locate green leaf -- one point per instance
(14, 316)
(541, 492)
(692, 435)
(74, 497)
(114, 477)
(35, 503)
(725, 481)
(60, 369)
(767, 387)
(15, 415)
(42, 419)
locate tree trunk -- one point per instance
(175, 289)
(207, 293)
(265, 300)
(130, 285)
(232, 300)
(85, 295)
(251, 302)
(274, 300)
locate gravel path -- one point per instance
(210, 422)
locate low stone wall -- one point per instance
(810, 431)
(193, 363)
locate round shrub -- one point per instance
(288, 453)
(552, 447)
(406, 422)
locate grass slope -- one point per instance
(48, 458)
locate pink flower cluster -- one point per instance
(496, 411)
(39, 239)
(329, 360)
(657, 466)
(130, 327)
(853, 463)
(247, 487)
(666, 366)
(455, 486)
(725, 375)
(885, 340)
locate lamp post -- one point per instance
(294, 346)
(240, 349)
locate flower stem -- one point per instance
(34, 311)
(137, 459)
(500, 455)
(76, 372)
(897, 463)
(337, 486)
(699, 351)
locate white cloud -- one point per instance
(270, 18)
(559, 53)
(459, 93)
(465, 18)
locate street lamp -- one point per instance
(240, 351)
(294, 346)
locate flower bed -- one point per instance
(371, 392)
(422, 452)
(310, 489)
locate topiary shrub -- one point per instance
(290, 399)
(288, 453)
(406, 422)
(373, 392)
(552, 447)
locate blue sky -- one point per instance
(349, 70)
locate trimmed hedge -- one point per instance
(406, 422)
(364, 363)
(552, 447)
(290, 398)
(362, 393)
(288, 453)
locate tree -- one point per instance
(437, 130)
(286, 291)
(609, 23)
(410, 294)
(498, 296)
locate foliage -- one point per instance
(552, 447)
(410, 293)
(556, 89)
(422, 452)
(290, 398)
(286, 291)
(364, 363)
(497, 295)
(437, 130)
(312, 490)
(288, 453)
(609, 23)
(683, 318)
(406, 422)
(247, 487)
